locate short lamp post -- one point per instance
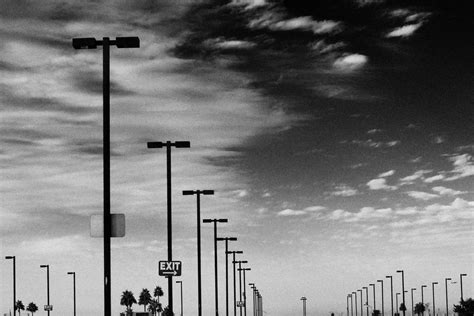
(252, 286)
(381, 287)
(355, 302)
(460, 279)
(366, 299)
(47, 283)
(235, 282)
(304, 305)
(412, 303)
(373, 287)
(361, 304)
(391, 290)
(14, 281)
(181, 284)
(215, 221)
(240, 282)
(92, 43)
(433, 290)
(73, 289)
(403, 290)
(422, 298)
(198, 194)
(446, 287)
(168, 145)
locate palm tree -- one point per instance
(167, 312)
(419, 308)
(144, 298)
(128, 300)
(465, 307)
(32, 308)
(154, 306)
(157, 293)
(19, 306)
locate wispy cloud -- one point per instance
(387, 174)
(447, 191)
(380, 184)
(422, 195)
(344, 190)
(404, 31)
(463, 167)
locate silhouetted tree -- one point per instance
(154, 306)
(167, 312)
(419, 308)
(157, 293)
(32, 308)
(403, 307)
(376, 312)
(144, 298)
(19, 306)
(465, 307)
(128, 300)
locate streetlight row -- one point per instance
(46, 266)
(402, 306)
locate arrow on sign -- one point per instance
(169, 272)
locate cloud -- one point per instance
(387, 174)
(417, 175)
(315, 208)
(380, 184)
(434, 178)
(446, 191)
(276, 22)
(422, 195)
(344, 190)
(290, 212)
(373, 144)
(374, 131)
(404, 31)
(350, 62)
(463, 167)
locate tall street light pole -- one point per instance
(446, 287)
(240, 282)
(352, 304)
(14, 281)
(432, 289)
(361, 304)
(198, 194)
(373, 287)
(92, 43)
(168, 145)
(252, 285)
(412, 305)
(347, 303)
(460, 278)
(422, 298)
(215, 221)
(235, 288)
(304, 305)
(181, 284)
(391, 290)
(47, 283)
(366, 299)
(73, 289)
(227, 239)
(355, 299)
(403, 290)
(245, 293)
(397, 301)
(381, 287)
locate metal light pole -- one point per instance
(168, 145)
(381, 287)
(74, 289)
(412, 305)
(227, 239)
(366, 299)
(304, 305)
(92, 43)
(460, 278)
(446, 287)
(355, 293)
(215, 221)
(373, 287)
(252, 285)
(47, 282)
(361, 304)
(352, 304)
(14, 281)
(198, 194)
(397, 300)
(235, 289)
(347, 303)
(245, 293)
(403, 290)
(422, 298)
(432, 289)
(240, 281)
(391, 290)
(181, 284)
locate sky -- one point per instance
(338, 137)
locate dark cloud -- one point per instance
(91, 82)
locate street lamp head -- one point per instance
(424, 286)
(182, 144)
(463, 274)
(365, 287)
(188, 192)
(84, 43)
(179, 281)
(399, 271)
(448, 279)
(222, 220)
(9, 257)
(232, 238)
(207, 192)
(388, 276)
(127, 42)
(71, 273)
(434, 283)
(155, 144)
(413, 289)
(44, 265)
(379, 280)
(371, 284)
(207, 220)
(303, 298)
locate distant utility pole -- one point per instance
(304, 305)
